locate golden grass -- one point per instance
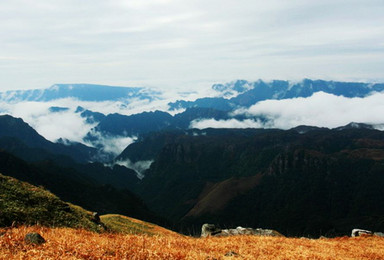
(66, 243)
(131, 226)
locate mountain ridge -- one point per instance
(263, 173)
(249, 93)
(84, 92)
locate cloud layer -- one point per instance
(52, 125)
(68, 125)
(321, 109)
(230, 123)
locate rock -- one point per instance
(245, 231)
(378, 234)
(212, 230)
(267, 232)
(34, 238)
(358, 232)
(209, 230)
(96, 217)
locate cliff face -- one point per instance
(317, 183)
(299, 160)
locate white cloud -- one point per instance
(51, 125)
(111, 144)
(230, 123)
(69, 125)
(139, 167)
(321, 109)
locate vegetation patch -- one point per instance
(23, 203)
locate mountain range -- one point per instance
(303, 181)
(242, 93)
(306, 180)
(227, 95)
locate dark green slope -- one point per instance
(75, 187)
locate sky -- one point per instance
(188, 44)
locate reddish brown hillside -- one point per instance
(216, 196)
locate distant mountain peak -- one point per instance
(233, 88)
(354, 125)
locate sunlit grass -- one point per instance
(126, 225)
(66, 243)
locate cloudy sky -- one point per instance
(188, 43)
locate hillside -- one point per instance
(129, 238)
(22, 203)
(81, 187)
(65, 243)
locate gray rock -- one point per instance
(358, 232)
(96, 217)
(212, 230)
(34, 238)
(378, 234)
(267, 232)
(209, 230)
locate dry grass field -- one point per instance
(66, 243)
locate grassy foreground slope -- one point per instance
(66, 243)
(23, 203)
